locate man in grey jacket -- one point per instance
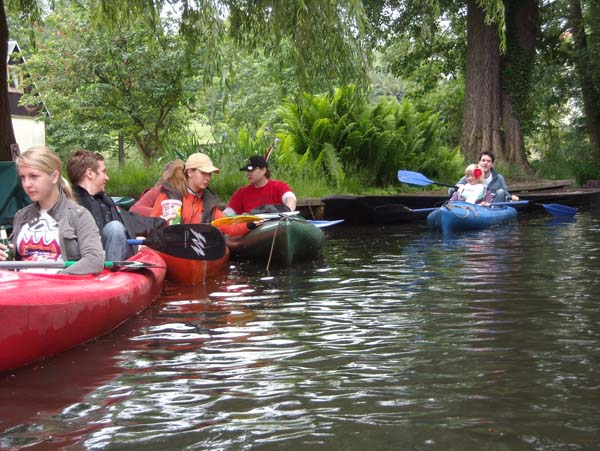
(493, 181)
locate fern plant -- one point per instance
(342, 135)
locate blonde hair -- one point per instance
(470, 170)
(46, 160)
(174, 175)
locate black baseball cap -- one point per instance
(255, 162)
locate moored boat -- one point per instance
(459, 216)
(44, 314)
(284, 241)
(394, 209)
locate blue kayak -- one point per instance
(457, 216)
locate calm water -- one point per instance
(396, 340)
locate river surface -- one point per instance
(397, 339)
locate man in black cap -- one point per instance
(261, 191)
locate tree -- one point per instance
(497, 61)
(497, 86)
(586, 55)
(125, 81)
(326, 36)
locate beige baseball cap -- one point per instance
(201, 161)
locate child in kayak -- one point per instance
(474, 190)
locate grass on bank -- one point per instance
(134, 178)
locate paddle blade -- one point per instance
(322, 223)
(560, 210)
(191, 241)
(229, 220)
(237, 219)
(414, 178)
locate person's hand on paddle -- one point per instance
(254, 224)
(514, 197)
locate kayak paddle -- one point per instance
(191, 241)
(553, 209)
(238, 219)
(416, 178)
(127, 264)
(322, 223)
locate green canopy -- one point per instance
(12, 196)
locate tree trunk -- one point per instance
(589, 92)
(482, 114)
(490, 119)
(121, 143)
(8, 143)
(522, 26)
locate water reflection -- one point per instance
(396, 339)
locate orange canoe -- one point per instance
(195, 272)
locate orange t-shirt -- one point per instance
(191, 213)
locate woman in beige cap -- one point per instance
(199, 203)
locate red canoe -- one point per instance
(44, 314)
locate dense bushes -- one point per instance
(341, 136)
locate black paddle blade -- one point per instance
(191, 241)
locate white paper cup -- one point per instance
(169, 207)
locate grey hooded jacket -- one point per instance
(79, 238)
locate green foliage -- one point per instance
(126, 81)
(249, 90)
(327, 36)
(132, 179)
(574, 158)
(369, 142)
(517, 66)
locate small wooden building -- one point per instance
(28, 124)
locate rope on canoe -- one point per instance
(283, 218)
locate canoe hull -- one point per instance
(286, 241)
(384, 210)
(195, 272)
(461, 216)
(44, 314)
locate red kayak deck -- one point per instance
(44, 314)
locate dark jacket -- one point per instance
(104, 210)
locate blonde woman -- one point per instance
(53, 227)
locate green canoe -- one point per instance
(284, 241)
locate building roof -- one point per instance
(12, 47)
